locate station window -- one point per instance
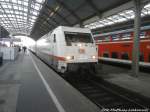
(105, 55)
(114, 55)
(125, 56)
(141, 57)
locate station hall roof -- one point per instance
(38, 17)
(18, 16)
(122, 16)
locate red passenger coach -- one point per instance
(119, 44)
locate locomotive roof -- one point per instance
(74, 29)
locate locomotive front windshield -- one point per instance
(73, 37)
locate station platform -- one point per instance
(28, 85)
(124, 78)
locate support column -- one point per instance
(81, 24)
(136, 47)
(0, 31)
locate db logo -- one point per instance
(148, 47)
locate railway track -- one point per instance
(99, 92)
(103, 96)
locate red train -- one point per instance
(119, 44)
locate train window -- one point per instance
(75, 37)
(142, 34)
(114, 55)
(115, 37)
(125, 56)
(107, 38)
(105, 55)
(126, 36)
(54, 38)
(141, 57)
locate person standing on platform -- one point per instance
(24, 48)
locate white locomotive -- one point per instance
(68, 49)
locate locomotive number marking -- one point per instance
(81, 51)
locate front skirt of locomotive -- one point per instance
(80, 66)
(68, 66)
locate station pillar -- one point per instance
(81, 24)
(136, 39)
(0, 31)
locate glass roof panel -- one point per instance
(146, 9)
(125, 15)
(15, 14)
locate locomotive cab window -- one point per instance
(73, 37)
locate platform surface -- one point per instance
(28, 85)
(123, 77)
(143, 64)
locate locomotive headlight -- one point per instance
(69, 57)
(80, 45)
(93, 57)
